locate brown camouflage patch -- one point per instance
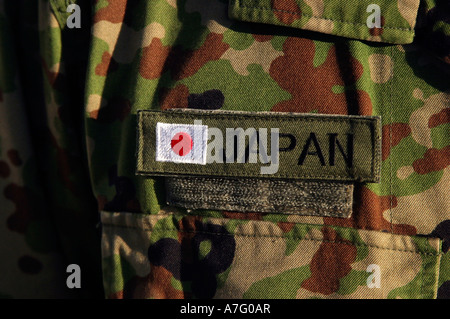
(377, 31)
(114, 12)
(182, 63)
(286, 227)
(107, 65)
(156, 285)
(295, 73)
(174, 98)
(437, 119)
(153, 59)
(185, 63)
(262, 37)
(159, 285)
(330, 263)
(432, 161)
(238, 215)
(287, 11)
(392, 134)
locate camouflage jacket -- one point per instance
(73, 80)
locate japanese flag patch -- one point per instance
(181, 143)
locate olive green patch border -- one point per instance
(366, 131)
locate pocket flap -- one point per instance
(174, 255)
(378, 21)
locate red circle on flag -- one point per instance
(182, 143)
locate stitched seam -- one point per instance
(140, 142)
(377, 142)
(437, 272)
(421, 285)
(315, 17)
(268, 236)
(390, 144)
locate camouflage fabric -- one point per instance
(68, 105)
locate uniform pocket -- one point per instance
(174, 255)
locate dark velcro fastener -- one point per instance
(321, 198)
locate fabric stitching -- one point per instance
(268, 236)
(421, 285)
(377, 151)
(390, 144)
(437, 272)
(315, 17)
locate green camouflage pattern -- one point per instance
(68, 105)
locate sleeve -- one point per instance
(48, 213)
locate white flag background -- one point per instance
(165, 132)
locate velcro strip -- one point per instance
(325, 199)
